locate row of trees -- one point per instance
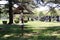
(51, 13)
(16, 1)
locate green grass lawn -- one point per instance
(35, 30)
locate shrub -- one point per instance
(16, 21)
(4, 22)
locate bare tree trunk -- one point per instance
(49, 18)
(22, 21)
(10, 12)
(57, 18)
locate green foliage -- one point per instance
(4, 22)
(25, 0)
(53, 11)
(53, 1)
(41, 14)
(16, 20)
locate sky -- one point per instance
(3, 2)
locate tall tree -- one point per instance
(53, 13)
(10, 12)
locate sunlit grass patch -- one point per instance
(42, 24)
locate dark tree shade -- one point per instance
(49, 18)
(42, 1)
(57, 18)
(10, 12)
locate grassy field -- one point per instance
(33, 30)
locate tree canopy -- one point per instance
(54, 1)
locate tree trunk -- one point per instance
(10, 12)
(57, 18)
(28, 18)
(22, 22)
(49, 18)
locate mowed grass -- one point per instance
(42, 24)
(33, 30)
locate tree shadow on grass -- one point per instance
(13, 32)
(48, 33)
(47, 38)
(52, 29)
